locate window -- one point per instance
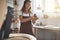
(49, 7)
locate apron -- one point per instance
(26, 27)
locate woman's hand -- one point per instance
(33, 19)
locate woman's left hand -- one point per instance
(34, 19)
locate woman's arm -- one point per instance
(27, 19)
(24, 19)
(34, 20)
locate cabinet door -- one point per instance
(45, 35)
(58, 36)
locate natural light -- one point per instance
(49, 7)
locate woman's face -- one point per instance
(27, 5)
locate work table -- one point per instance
(47, 32)
(51, 27)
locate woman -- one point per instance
(26, 17)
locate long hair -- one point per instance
(23, 8)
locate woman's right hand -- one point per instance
(33, 19)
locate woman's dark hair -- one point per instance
(23, 8)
